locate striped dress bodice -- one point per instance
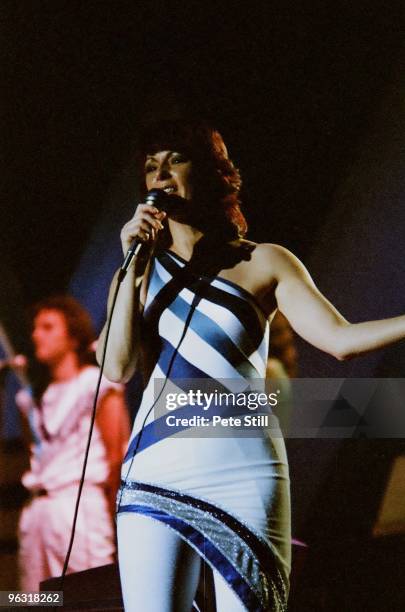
(227, 333)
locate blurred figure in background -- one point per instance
(58, 410)
(281, 366)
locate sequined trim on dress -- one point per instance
(244, 560)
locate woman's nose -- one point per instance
(162, 173)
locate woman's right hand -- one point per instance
(144, 225)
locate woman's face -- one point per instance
(170, 171)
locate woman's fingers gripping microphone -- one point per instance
(145, 225)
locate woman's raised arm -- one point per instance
(123, 348)
(316, 320)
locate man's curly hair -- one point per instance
(79, 326)
(78, 322)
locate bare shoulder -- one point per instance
(270, 250)
(275, 258)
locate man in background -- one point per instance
(58, 409)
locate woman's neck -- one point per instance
(184, 238)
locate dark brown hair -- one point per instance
(79, 326)
(78, 322)
(216, 181)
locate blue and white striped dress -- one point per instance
(228, 497)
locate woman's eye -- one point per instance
(179, 159)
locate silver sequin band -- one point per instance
(250, 556)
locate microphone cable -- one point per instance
(93, 416)
(186, 325)
(86, 454)
(152, 197)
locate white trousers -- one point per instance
(44, 533)
(160, 571)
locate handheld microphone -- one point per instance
(162, 201)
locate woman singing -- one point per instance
(197, 305)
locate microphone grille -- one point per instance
(153, 195)
(158, 198)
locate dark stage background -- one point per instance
(309, 97)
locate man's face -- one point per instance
(51, 337)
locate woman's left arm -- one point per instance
(316, 320)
